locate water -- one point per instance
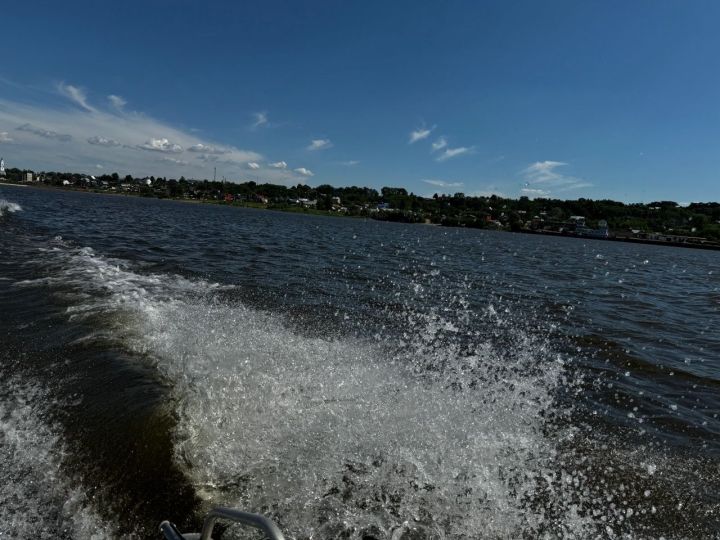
(349, 378)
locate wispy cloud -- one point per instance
(543, 171)
(533, 192)
(350, 163)
(439, 144)
(443, 183)
(75, 94)
(546, 174)
(208, 158)
(49, 137)
(420, 134)
(206, 149)
(261, 120)
(451, 153)
(278, 165)
(46, 133)
(252, 165)
(117, 102)
(176, 161)
(4, 137)
(103, 141)
(304, 172)
(161, 145)
(319, 144)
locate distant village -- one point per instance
(661, 222)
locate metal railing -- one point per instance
(272, 532)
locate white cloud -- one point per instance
(532, 192)
(51, 137)
(320, 144)
(261, 119)
(161, 145)
(252, 165)
(546, 174)
(103, 141)
(278, 165)
(208, 158)
(4, 137)
(98, 166)
(439, 144)
(350, 163)
(420, 134)
(117, 102)
(303, 171)
(75, 94)
(206, 149)
(168, 159)
(450, 153)
(46, 133)
(443, 183)
(543, 171)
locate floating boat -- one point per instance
(272, 531)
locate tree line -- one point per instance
(396, 203)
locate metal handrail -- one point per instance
(272, 531)
(257, 521)
(170, 531)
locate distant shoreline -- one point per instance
(323, 213)
(644, 241)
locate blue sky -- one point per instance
(565, 99)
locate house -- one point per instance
(260, 198)
(307, 203)
(578, 221)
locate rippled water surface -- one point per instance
(348, 378)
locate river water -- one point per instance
(348, 378)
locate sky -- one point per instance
(563, 99)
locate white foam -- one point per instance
(337, 434)
(37, 498)
(311, 427)
(8, 207)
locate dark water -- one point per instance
(350, 378)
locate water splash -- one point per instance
(401, 434)
(7, 207)
(445, 428)
(37, 499)
(327, 434)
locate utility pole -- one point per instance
(214, 173)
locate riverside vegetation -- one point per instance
(697, 219)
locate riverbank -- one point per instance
(709, 245)
(629, 240)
